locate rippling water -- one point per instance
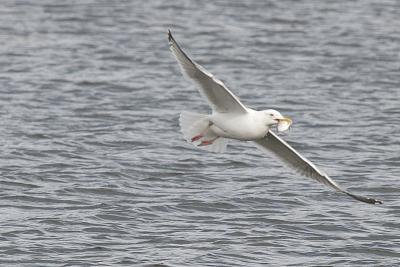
(95, 172)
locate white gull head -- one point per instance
(274, 117)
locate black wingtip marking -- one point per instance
(365, 199)
(176, 46)
(170, 38)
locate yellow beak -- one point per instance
(286, 120)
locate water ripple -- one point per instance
(95, 170)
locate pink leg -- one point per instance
(197, 137)
(208, 142)
(201, 135)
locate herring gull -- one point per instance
(230, 119)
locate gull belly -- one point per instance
(245, 127)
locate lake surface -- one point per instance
(95, 171)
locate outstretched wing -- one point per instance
(278, 147)
(220, 98)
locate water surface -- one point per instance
(94, 170)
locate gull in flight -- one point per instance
(230, 119)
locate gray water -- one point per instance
(94, 170)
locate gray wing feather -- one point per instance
(220, 98)
(282, 150)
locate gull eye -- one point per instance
(271, 114)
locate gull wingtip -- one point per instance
(375, 201)
(170, 38)
(368, 200)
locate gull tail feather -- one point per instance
(193, 124)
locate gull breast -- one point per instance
(245, 127)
